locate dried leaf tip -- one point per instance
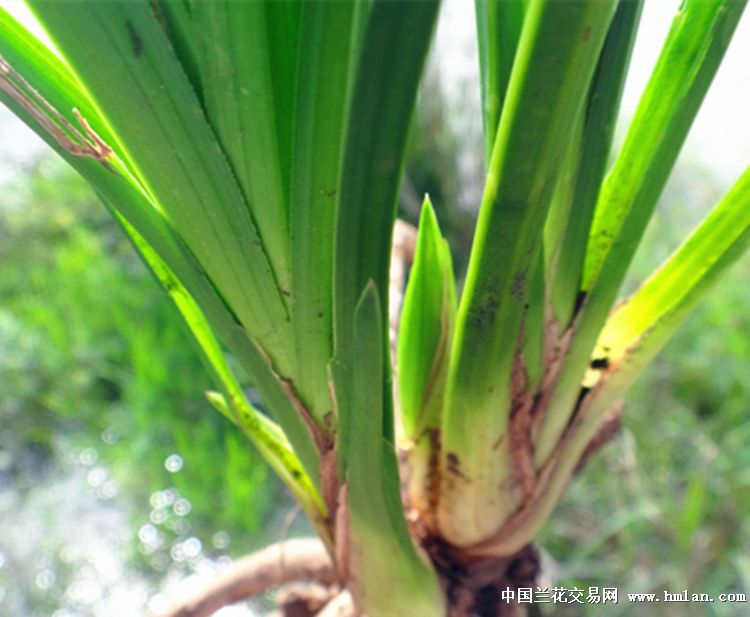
(85, 142)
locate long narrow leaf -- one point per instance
(425, 333)
(695, 46)
(266, 436)
(638, 328)
(248, 71)
(324, 60)
(636, 332)
(556, 58)
(122, 55)
(393, 39)
(39, 89)
(598, 130)
(389, 577)
(498, 31)
(692, 53)
(181, 25)
(426, 328)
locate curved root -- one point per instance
(292, 560)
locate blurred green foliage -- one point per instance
(94, 344)
(97, 364)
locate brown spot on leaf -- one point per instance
(136, 42)
(600, 363)
(519, 285)
(454, 465)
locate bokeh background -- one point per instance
(120, 488)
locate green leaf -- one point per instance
(641, 327)
(264, 434)
(392, 39)
(389, 577)
(180, 24)
(119, 51)
(646, 320)
(700, 33)
(692, 511)
(424, 338)
(248, 68)
(692, 53)
(557, 54)
(270, 441)
(29, 65)
(389, 64)
(591, 158)
(38, 87)
(532, 333)
(498, 31)
(319, 110)
(425, 330)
